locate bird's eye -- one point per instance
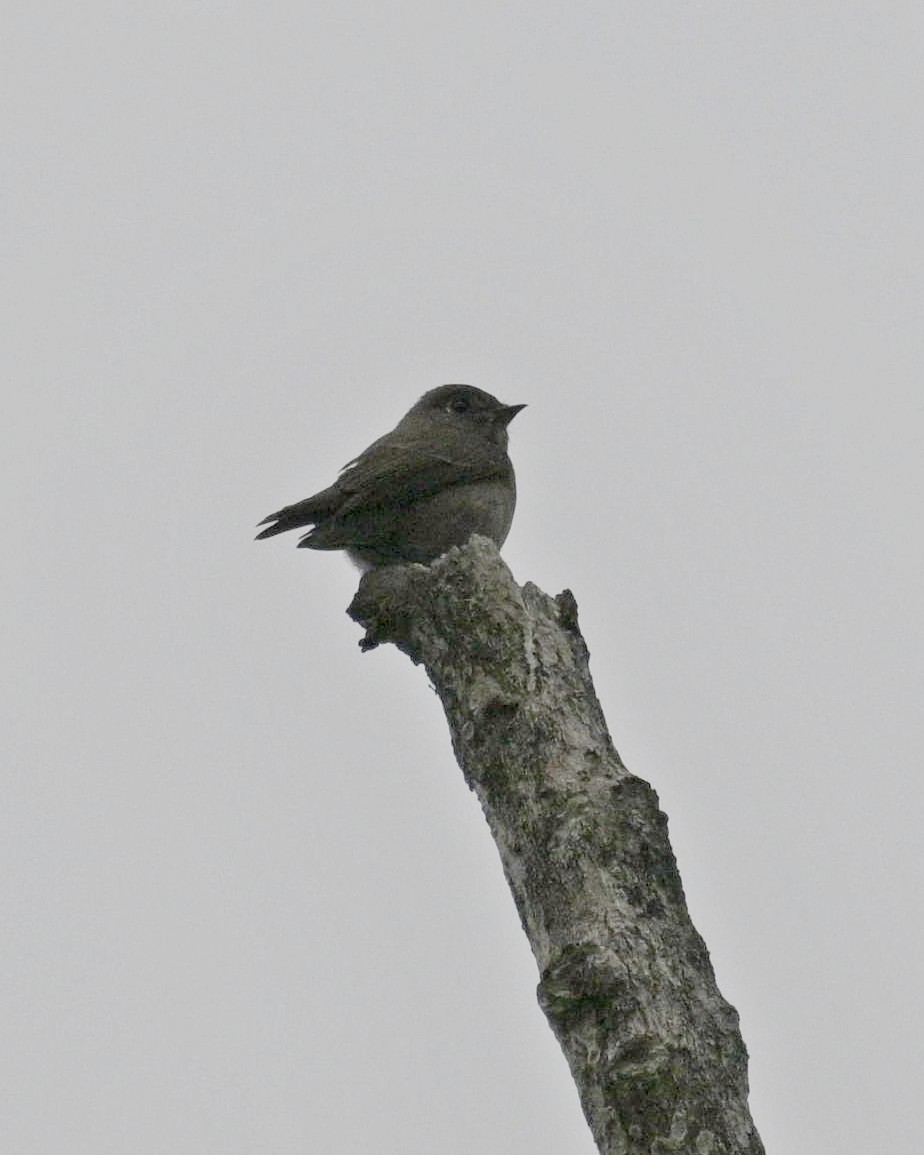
(459, 405)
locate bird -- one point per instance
(439, 476)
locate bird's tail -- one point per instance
(307, 512)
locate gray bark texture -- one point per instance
(625, 979)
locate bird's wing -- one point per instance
(401, 468)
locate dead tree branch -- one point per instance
(625, 979)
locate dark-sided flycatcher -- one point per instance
(439, 476)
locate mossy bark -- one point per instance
(625, 979)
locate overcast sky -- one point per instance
(248, 904)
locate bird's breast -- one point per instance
(452, 515)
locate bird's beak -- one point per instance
(507, 413)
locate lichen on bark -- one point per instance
(625, 979)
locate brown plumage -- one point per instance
(439, 476)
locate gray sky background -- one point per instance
(247, 901)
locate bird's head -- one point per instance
(466, 407)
